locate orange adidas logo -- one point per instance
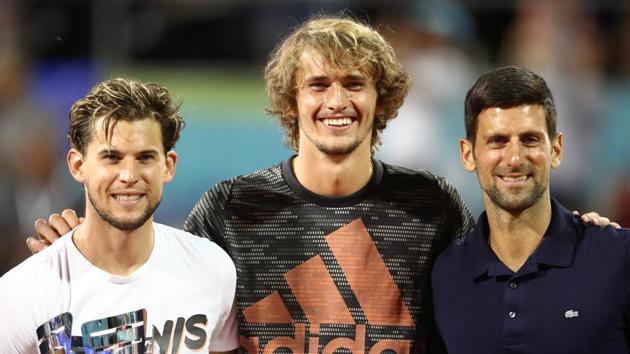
(315, 290)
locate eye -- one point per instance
(530, 140)
(355, 86)
(495, 141)
(111, 157)
(318, 86)
(146, 158)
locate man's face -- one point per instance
(124, 178)
(513, 156)
(335, 107)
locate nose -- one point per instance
(128, 172)
(514, 154)
(337, 97)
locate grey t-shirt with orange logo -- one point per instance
(315, 273)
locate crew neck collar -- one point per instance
(327, 201)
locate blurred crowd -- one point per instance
(51, 54)
(581, 48)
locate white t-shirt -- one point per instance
(185, 291)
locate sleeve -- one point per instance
(458, 221)
(207, 218)
(435, 342)
(17, 327)
(225, 335)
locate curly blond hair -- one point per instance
(344, 43)
(124, 99)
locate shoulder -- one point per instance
(452, 270)
(260, 177)
(609, 232)
(457, 255)
(202, 253)
(404, 173)
(209, 215)
(221, 193)
(266, 175)
(52, 259)
(587, 236)
(607, 238)
(417, 179)
(32, 292)
(434, 195)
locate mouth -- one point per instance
(127, 198)
(515, 180)
(340, 122)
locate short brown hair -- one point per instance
(342, 42)
(124, 99)
(507, 87)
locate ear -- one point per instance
(76, 165)
(466, 154)
(171, 164)
(556, 151)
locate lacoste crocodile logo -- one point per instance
(320, 299)
(571, 314)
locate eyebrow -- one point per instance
(349, 77)
(106, 152)
(500, 134)
(318, 78)
(355, 77)
(148, 152)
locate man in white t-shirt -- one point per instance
(119, 281)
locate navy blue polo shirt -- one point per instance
(571, 296)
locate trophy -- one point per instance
(55, 336)
(121, 334)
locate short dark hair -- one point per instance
(507, 87)
(124, 99)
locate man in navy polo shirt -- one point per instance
(530, 278)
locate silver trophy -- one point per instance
(121, 334)
(55, 336)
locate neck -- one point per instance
(334, 175)
(516, 236)
(115, 251)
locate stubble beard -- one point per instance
(515, 204)
(337, 150)
(122, 224)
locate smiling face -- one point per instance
(124, 177)
(513, 157)
(335, 107)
